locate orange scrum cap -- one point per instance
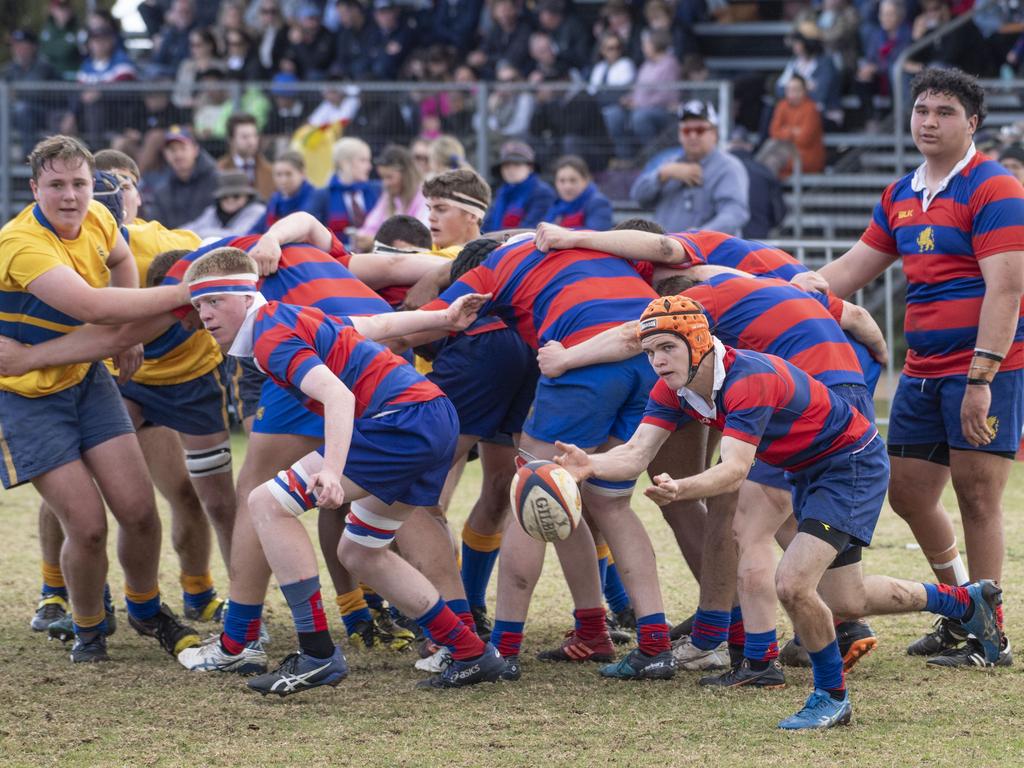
(682, 317)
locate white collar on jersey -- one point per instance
(242, 345)
(698, 403)
(917, 182)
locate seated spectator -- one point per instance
(240, 59)
(509, 111)
(28, 111)
(697, 185)
(617, 18)
(796, 130)
(235, 208)
(652, 107)
(401, 193)
(389, 40)
(580, 203)
(544, 62)
(766, 200)
(292, 191)
(613, 72)
(173, 45)
(658, 15)
(230, 19)
(189, 187)
(523, 198)
(94, 112)
(58, 39)
(570, 38)
(213, 106)
(874, 70)
(836, 23)
(508, 39)
(311, 45)
(445, 153)
(271, 45)
(349, 194)
(462, 119)
(1012, 159)
(244, 154)
(454, 22)
(351, 55)
(142, 138)
(203, 56)
(435, 106)
(339, 107)
(420, 149)
(819, 73)
(287, 114)
(963, 47)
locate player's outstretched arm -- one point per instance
(623, 462)
(379, 270)
(322, 385)
(65, 290)
(853, 270)
(628, 244)
(609, 346)
(456, 317)
(862, 326)
(88, 344)
(725, 477)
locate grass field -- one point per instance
(142, 709)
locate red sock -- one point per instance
(446, 628)
(231, 646)
(467, 619)
(999, 618)
(737, 635)
(591, 624)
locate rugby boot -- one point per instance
(971, 654)
(820, 711)
(574, 649)
(483, 622)
(946, 635)
(211, 657)
(213, 610)
(743, 675)
(856, 640)
(173, 636)
(637, 665)
(90, 650)
(695, 659)
(488, 667)
(299, 671)
(794, 655)
(51, 608)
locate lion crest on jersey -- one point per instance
(926, 240)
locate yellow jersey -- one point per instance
(177, 355)
(30, 247)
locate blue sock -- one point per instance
(602, 569)
(242, 623)
(142, 610)
(827, 665)
(373, 600)
(48, 591)
(479, 555)
(946, 600)
(761, 646)
(198, 600)
(710, 628)
(306, 605)
(614, 590)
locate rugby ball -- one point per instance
(546, 501)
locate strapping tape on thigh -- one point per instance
(289, 488)
(209, 461)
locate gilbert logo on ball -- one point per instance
(546, 501)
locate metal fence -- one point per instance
(600, 124)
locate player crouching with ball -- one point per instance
(768, 409)
(389, 438)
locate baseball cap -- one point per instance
(22, 35)
(281, 82)
(178, 133)
(695, 109)
(516, 152)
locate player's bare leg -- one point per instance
(979, 480)
(915, 490)
(682, 455)
(759, 513)
(53, 605)
(216, 490)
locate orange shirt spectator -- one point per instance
(797, 120)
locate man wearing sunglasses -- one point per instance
(702, 187)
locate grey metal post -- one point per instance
(482, 148)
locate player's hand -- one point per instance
(811, 282)
(267, 255)
(689, 174)
(664, 491)
(127, 363)
(14, 357)
(574, 459)
(424, 291)
(551, 237)
(974, 415)
(552, 360)
(463, 311)
(326, 486)
(879, 350)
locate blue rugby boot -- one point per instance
(820, 711)
(486, 668)
(637, 665)
(299, 671)
(985, 598)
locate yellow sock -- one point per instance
(196, 585)
(481, 542)
(350, 601)
(87, 622)
(604, 551)
(53, 577)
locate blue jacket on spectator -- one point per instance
(279, 206)
(454, 22)
(331, 207)
(519, 205)
(591, 210)
(384, 65)
(173, 49)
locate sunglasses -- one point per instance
(695, 130)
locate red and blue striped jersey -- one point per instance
(772, 316)
(306, 276)
(980, 213)
(704, 246)
(566, 296)
(289, 341)
(793, 420)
